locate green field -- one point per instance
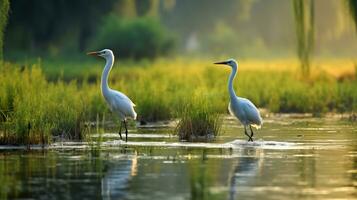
(48, 99)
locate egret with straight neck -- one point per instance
(118, 102)
(241, 108)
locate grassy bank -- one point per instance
(45, 99)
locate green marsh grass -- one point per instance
(197, 121)
(45, 100)
(37, 110)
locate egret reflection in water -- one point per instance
(117, 178)
(247, 167)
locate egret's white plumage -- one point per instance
(118, 102)
(240, 107)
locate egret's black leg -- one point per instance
(252, 133)
(126, 132)
(121, 123)
(250, 137)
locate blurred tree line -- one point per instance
(304, 13)
(46, 27)
(152, 28)
(352, 5)
(41, 24)
(4, 8)
(305, 30)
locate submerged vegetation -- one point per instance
(35, 109)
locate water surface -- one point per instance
(291, 158)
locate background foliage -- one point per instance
(244, 28)
(4, 7)
(134, 38)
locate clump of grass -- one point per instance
(197, 121)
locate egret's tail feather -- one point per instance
(134, 115)
(256, 126)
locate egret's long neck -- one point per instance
(230, 82)
(105, 74)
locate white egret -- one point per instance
(240, 107)
(118, 102)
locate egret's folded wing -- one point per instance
(252, 113)
(123, 104)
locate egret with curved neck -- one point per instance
(118, 102)
(241, 108)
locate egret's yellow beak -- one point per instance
(221, 63)
(94, 53)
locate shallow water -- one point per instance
(291, 158)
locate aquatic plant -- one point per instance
(197, 121)
(95, 144)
